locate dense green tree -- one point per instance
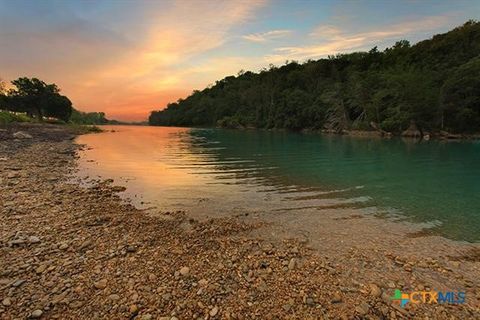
(30, 95)
(37, 98)
(461, 98)
(57, 106)
(433, 84)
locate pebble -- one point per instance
(41, 268)
(22, 135)
(114, 297)
(36, 314)
(363, 308)
(375, 290)
(7, 302)
(102, 284)
(12, 175)
(133, 308)
(310, 302)
(33, 239)
(184, 271)
(292, 264)
(213, 312)
(18, 283)
(337, 298)
(147, 316)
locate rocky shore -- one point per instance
(74, 252)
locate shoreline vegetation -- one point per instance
(427, 90)
(33, 100)
(107, 259)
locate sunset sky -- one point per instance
(127, 58)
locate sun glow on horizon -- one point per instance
(127, 59)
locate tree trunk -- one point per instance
(39, 114)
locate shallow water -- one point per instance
(222, 172)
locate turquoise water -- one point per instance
(430, 181)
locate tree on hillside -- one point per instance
(461, 98)
(433, 84)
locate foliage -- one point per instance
(8, 117)
(433, 83)
(35, 97)
(80, 117)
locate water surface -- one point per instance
(222, 172)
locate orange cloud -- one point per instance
(128, 73)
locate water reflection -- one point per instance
(212, 171)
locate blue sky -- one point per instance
(129, 57)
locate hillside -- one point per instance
(434, 84)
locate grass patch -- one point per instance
(8, 117)
(84, 129)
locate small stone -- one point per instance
(310, 302)
(375, 290)
(203, 282)
(184, 271)
(33, 239)
(22, 135)
(102, 284)
(63, 246)
(152, 277)
(337, 298)
(133, 308)
(12, 175)
(147, 316)
(7, 302)
(362, 309)
(18, 283)
(213, 312)
(114, 297)
(36, 314)
(41, 269)
(292, 264)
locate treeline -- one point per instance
(434, 84)
(38, 99)
(80, 117)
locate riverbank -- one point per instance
(71, 252)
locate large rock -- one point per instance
(22, 135)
